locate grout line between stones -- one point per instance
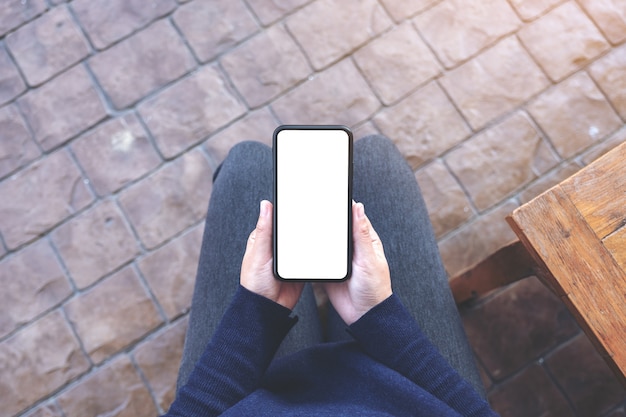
(145, 381)
(78, 340)
(31, 322)
(83, 174)
(64, 267)
(588, 15)
(230, 85)
(110, 109)
(57, 406)
(469, 222)
(537, 63)
(444, 69)
(213, 164)
(148, 289)
(3, 246)
(255, 17)
(87, 38)
(27, 21)
(314, 71)
(544, 139)
(185, 41)
(93, 368)
(54, 227)
(22, 114)
(472, 131)
(517, 12)
(551, 376)
(381, 103)
(135, 31)
(544, 135)
(274, 115)
(18, 69)
(466, 192)
(152, 142)
(593, 80)
(539, 360)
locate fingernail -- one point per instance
(360, 210)
(263, 210)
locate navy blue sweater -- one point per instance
(391, 369)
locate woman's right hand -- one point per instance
(370, 283)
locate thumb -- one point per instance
(364, 235)
(261, 236)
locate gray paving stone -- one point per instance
(190, 110)
(458, 29)
(563, 41)
(330, 29)
(95, 243)
(423, 125)
(142, 63)
(46, 410)
(159, 360)
(115, 153)
(490, 169)
(171, 272)
(610, 74)
(397, 63)
(531, 9)
(447, 204)
(574, 114)
(476, 240)
(11, 82)
(14, 13)
(169, 201)
(495, 82)
(40, 359)
(610, 16)
(116, 389)
(62, 108)
(17, 146)
(258, 125)
(229, 20)
(605, 146)
(43, 195)
(402, 9)
(269, 11)
(113, 314)
(108, 21)
(32, 282)
(266, 66)
(48, 45)
(339, 95)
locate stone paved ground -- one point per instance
(115, 113)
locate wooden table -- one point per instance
(576, 234)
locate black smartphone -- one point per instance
(312, 202)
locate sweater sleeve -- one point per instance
(390, 335)
(236, 358)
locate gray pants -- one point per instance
(385, 184)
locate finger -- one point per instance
(263, 225)
(263, 230)
(250, 241)
(366, 239)
(362, 228)
(374, 238)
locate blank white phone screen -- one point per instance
(312, 174)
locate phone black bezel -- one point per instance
(349, 205)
